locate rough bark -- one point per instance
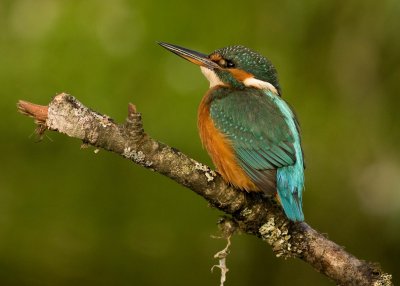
(249, 213)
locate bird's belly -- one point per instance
(221, 152)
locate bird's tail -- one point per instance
(291, 204)
(290, 182)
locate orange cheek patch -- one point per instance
(239, 74)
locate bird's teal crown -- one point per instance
(241, 58)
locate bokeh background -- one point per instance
(72, 217)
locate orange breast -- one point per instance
(220, 149)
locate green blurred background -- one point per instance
(72, 217)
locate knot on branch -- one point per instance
(134, 125)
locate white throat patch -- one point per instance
(253, 82)
(211, 76)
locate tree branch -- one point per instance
(248, 212)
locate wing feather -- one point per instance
(260, 136)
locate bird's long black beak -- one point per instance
(192, 56)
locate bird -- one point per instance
(250, 132)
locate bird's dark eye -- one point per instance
(226, 63)
(229, 64)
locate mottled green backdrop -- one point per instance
(72, 217)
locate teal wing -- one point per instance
(264, 134)
(262, 140)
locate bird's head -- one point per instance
(234, 66)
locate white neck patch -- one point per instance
(253, 82)
(211, 76)
(250, 81)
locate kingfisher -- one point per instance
(249, 131)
